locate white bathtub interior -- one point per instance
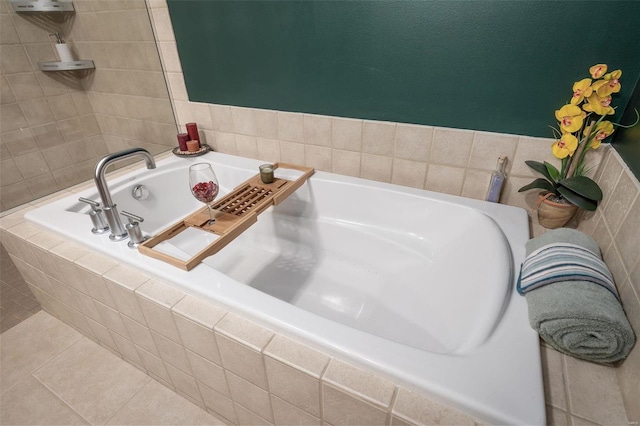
(427, 274)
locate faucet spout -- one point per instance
(118, 231)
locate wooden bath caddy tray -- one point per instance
(234, 213)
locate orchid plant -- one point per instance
(581, 128)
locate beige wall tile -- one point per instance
(620, 201)
(12, 118)
(613, 260)
(451, 147)
(201, 115)
(221, 118)
(170, 57)
(445, 179)
(345, 162)
(266, 123)
(243, 121)
(317, 130)
(409, 173)
(553, 375)
(153, 364)
(294, 386)
(487, 147)
(246, 417)
(318, 157)
(359, 382)
(287, 414)
(172, 353)
(608, 180)
(198, 338)
(37, 111)
(297, 355)
(111, 319)
(243, 361)
(250, 396)
(128, 351)
(247, 146)
(268, 149)
(209, 373)
(415, 408)
(476, 184)
(19, 142)
(346, 134)
(376, 167)
(290, 126)
(155, 300)
(343, 409)
(413, 142)
(291, 152)
(141, 335)
(25, 86)
(162, 24)
(6, 95)
(184, 383)
(226, 142)
(121, 282)
(14, 59)
(177, 86)
(378, 138)
(536, 149)
(601, 403)
(218, 403)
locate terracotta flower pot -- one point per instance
(554, 215)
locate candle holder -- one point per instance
(266, 173)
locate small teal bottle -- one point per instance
(497, 181)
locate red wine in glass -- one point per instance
(204, 185)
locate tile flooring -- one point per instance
(53, 375)
(17, 303)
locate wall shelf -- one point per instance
(42, 6)
(66, 66)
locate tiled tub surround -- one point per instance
(238, 370)
(415, 368)
(569, 383)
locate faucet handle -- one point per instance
(133, 229)
(100, 225)
(94, 204)
(132, 217)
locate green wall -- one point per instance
(501, 66)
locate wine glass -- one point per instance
(204, 185)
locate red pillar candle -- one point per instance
(192, 130)
(182, 141)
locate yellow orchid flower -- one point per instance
(598, 70)
(565, 146)
(611, 84)
(603, 130)
(570, 118)
(581, 89)
(599, 105)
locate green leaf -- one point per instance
(583, 186)
(577, 199)
(540, 168)
(553, 172)
(540, 184)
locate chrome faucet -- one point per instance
(118, 231)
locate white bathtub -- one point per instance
(412, 284)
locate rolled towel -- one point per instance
(579, 313)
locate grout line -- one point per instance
(61, 399)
